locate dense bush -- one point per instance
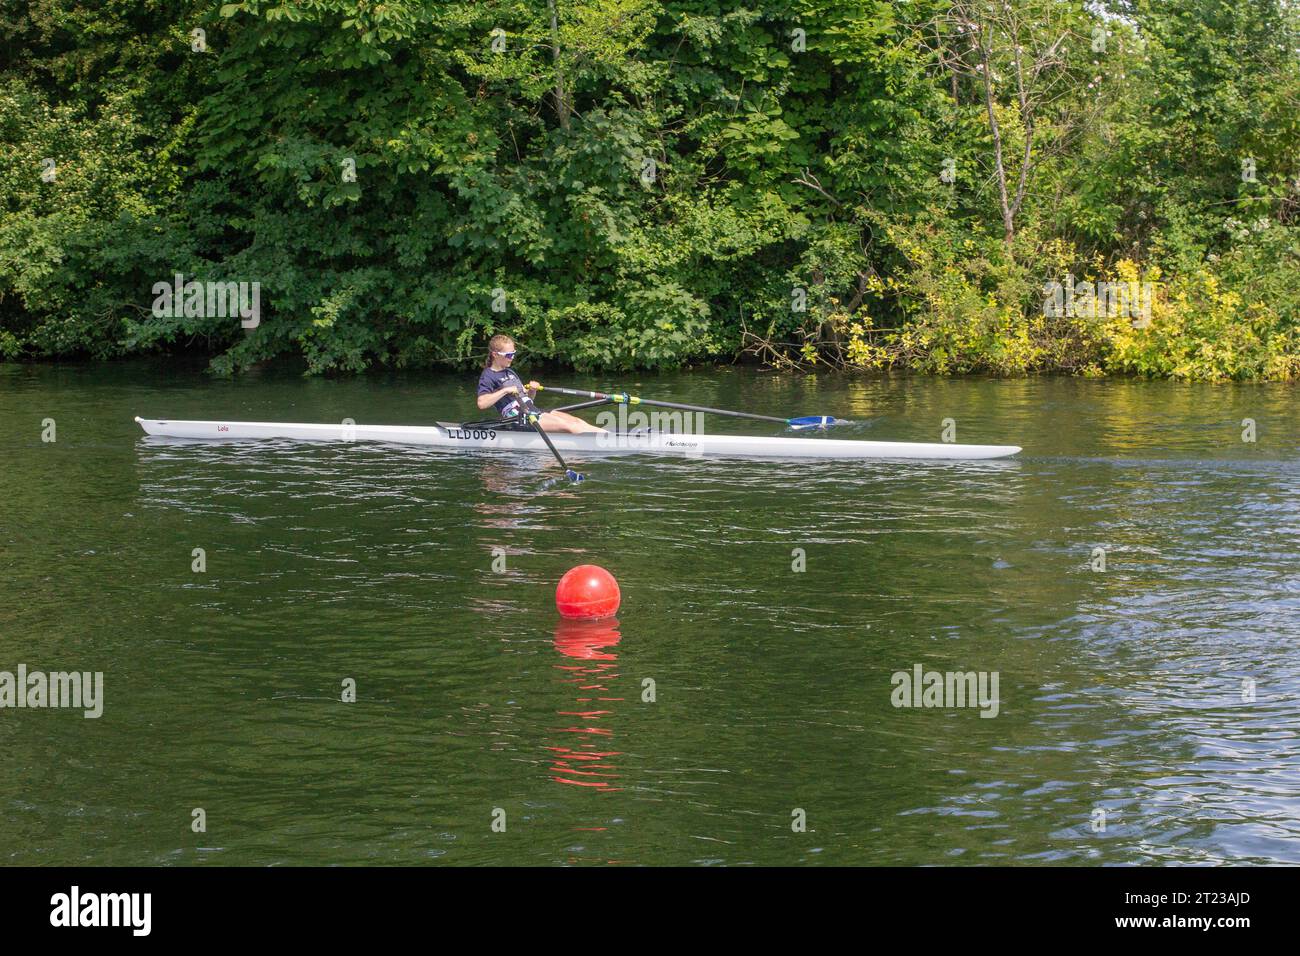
(633, 184)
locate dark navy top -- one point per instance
(492, 380)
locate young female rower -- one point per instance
(500, 386)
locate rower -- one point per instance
(500, 386)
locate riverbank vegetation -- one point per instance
(940, 186)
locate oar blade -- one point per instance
(812, 421)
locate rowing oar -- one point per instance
(533, 417)
(623, 398)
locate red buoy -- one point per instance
(587, 592)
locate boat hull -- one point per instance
(447, 435)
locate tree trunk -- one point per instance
(1008, 216)
(561, 98)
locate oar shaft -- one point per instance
(537, 426)
(533, 417)
(633, 400)
(712, 411)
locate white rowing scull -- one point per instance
(505, 437)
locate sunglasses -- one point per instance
(506, 354)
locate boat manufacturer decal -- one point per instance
(223, 428)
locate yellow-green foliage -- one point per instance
(967, 310)
(970, 307)
(1203, 331)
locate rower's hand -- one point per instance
(534, 386)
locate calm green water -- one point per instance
(1120, 690)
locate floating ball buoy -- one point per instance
(587, 592)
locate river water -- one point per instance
(741, 707)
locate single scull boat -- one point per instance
(510, 437)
